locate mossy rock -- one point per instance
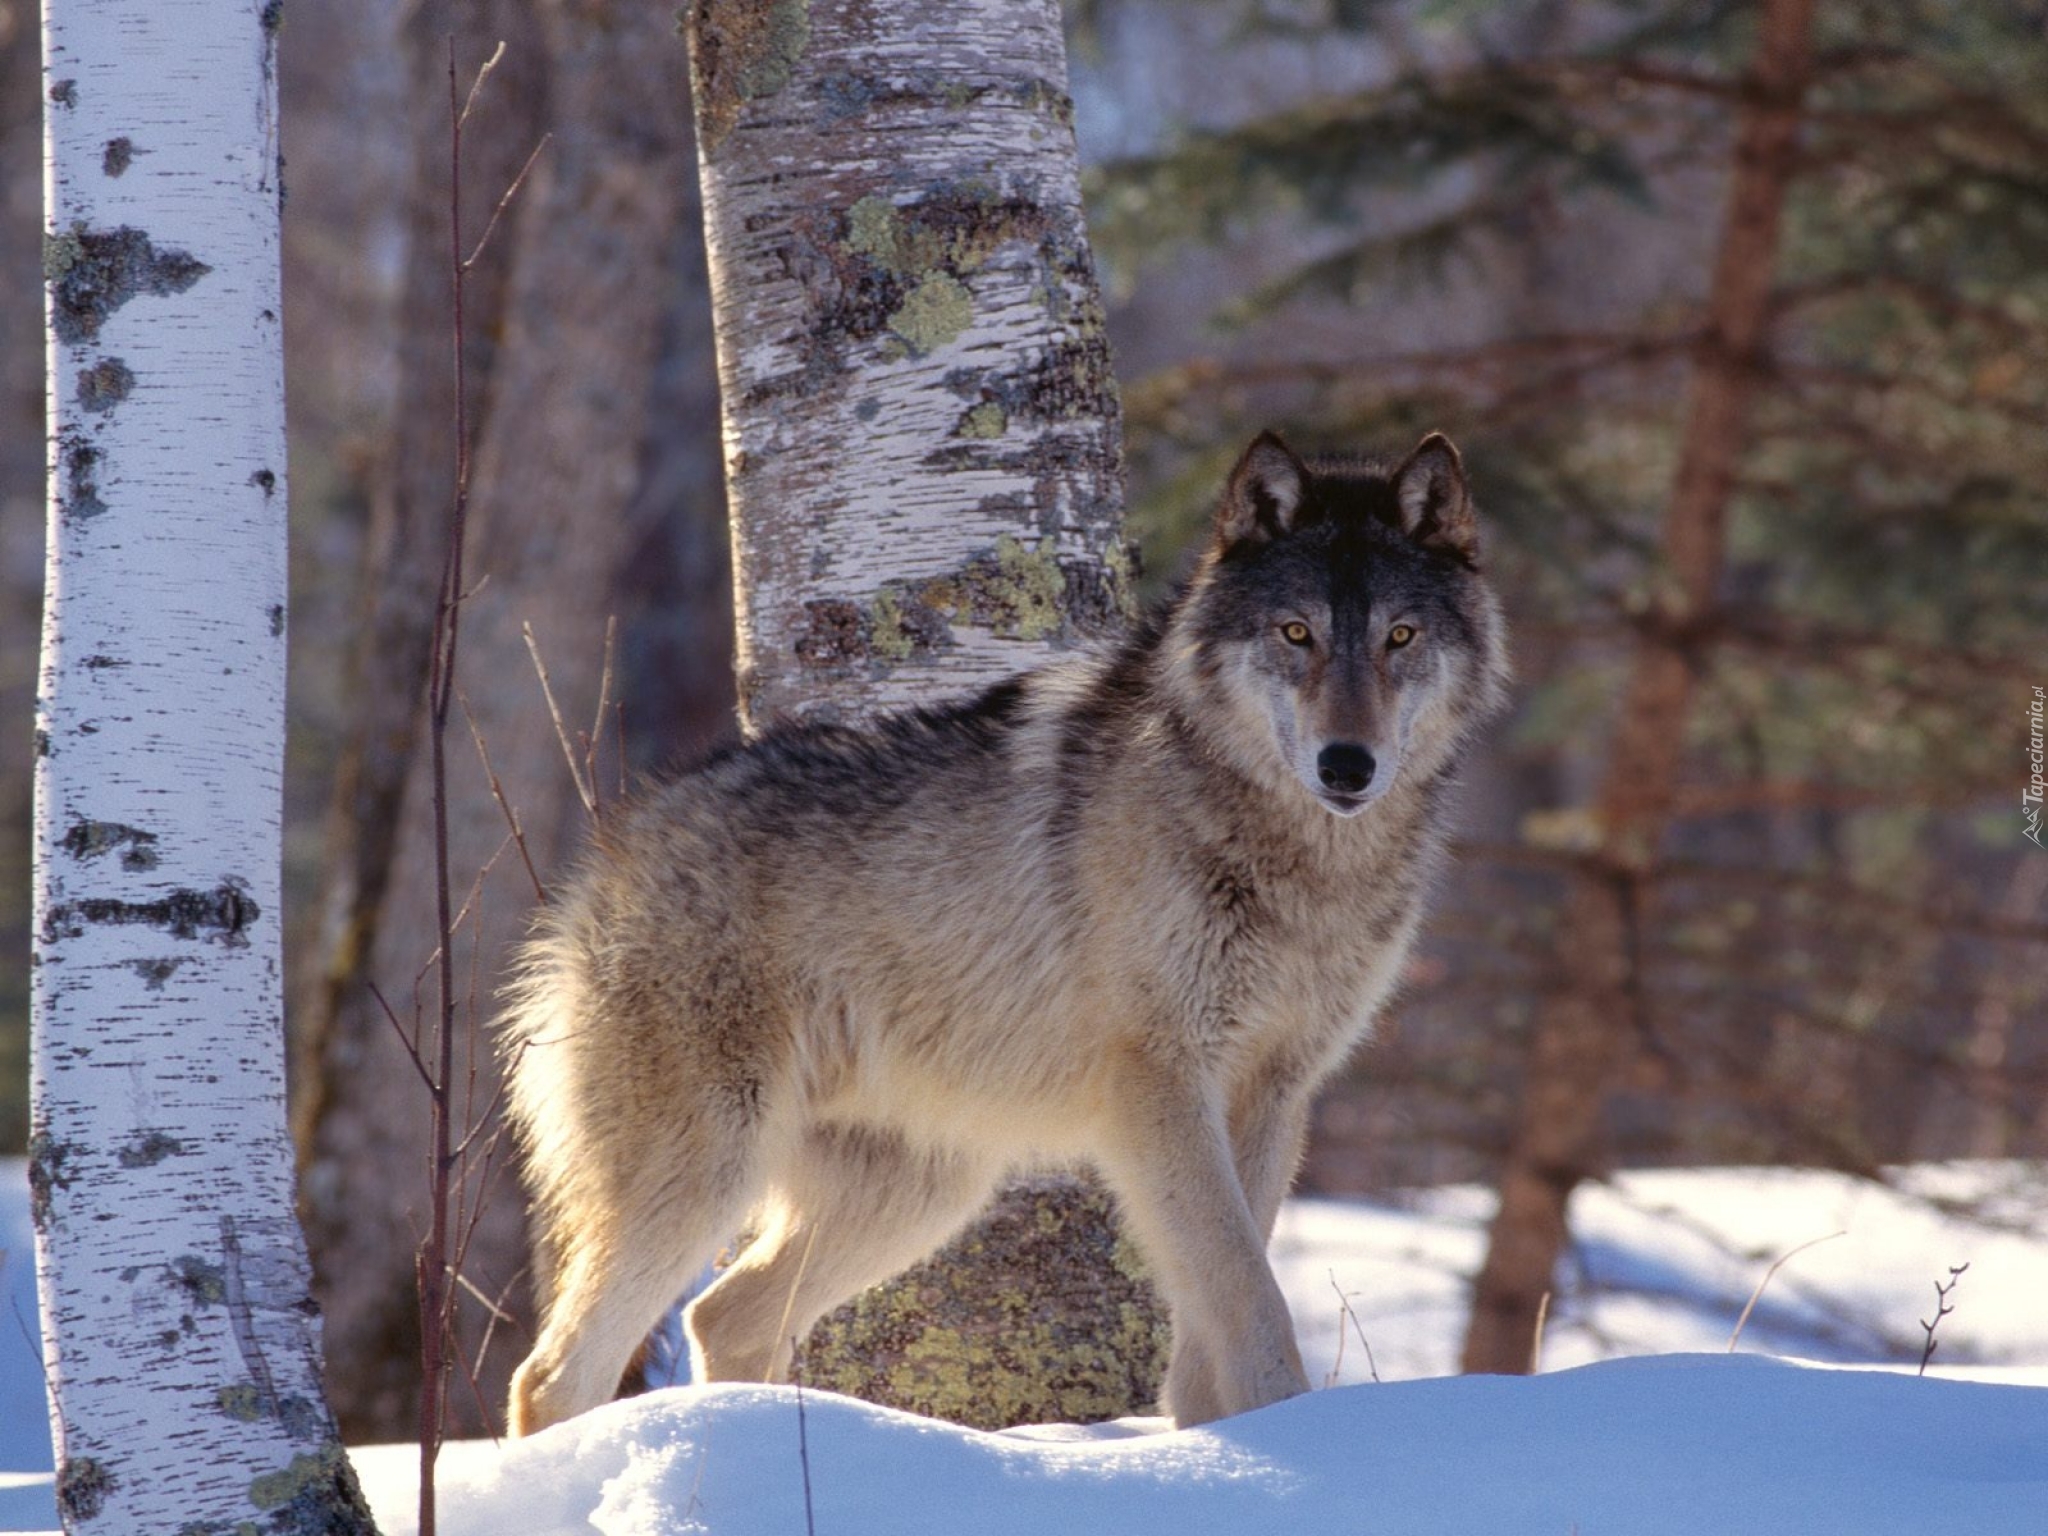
(1038, 1313)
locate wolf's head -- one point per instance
(1340, 618)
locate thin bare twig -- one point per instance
(412, 1050)
(483, 73)
(1757, 1295)
(1344, 1315)
(547, 689)
(504, 202)
(803, 1439)
(604, 699)
(1942, 1308)
(540, 892)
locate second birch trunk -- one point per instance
(924, 462)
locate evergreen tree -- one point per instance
(1773, 535)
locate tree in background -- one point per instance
(925, 469)
(1775, 554)
(593, 494)
(183, 1361)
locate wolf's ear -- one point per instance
(1263, 495)
(1436, 509)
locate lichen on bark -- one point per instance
(741, 50)
(93, 272)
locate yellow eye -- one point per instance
(1296, 633)
(1399, 636)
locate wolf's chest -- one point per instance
(1275, 947)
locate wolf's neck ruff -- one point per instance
(1133, 908)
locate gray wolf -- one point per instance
(1130, 909)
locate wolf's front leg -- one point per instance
(1168, 1155)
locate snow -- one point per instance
(1673, 1445)
(1642, 1423)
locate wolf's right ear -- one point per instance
(1263, 495)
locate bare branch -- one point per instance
(504, 202)
(583, 790)
(482, 74)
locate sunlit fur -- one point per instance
(836, 983)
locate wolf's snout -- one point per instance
(1345, 768)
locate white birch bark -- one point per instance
(923, 446)
(924, 464)
(180, 1341)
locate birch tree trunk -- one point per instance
(1583, 1035)
(179, 1333)
(924, 465)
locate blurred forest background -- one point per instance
(1743, 877)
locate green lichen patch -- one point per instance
(1018, 590)
(205, 1283)
(1023, 590)
(317, 1495)
(241, 1400)
(83, 1485)
(986, 421)
(1041, 95)
(954, 228)
(105, 384)
(741, 51)
(93, 272)
(933, 313)
(87, 840)
(150, 1148)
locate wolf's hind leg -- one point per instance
(621, 1270)
(858, 1205)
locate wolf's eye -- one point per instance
(1296, 633)
(1399, 636)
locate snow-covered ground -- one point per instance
(1662, 1438)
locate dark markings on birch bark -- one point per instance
(151, 1147)
(79, 460)
(46, 1175)
(82, 1488)
(105, 384)
(88, 840)
(93, 272)
(224, 912)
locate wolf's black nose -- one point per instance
(1345, 768)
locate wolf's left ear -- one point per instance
(1436, 509)
(1263, 495)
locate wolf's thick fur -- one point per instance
(1131, 909)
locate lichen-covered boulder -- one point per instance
(1038, 1313)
